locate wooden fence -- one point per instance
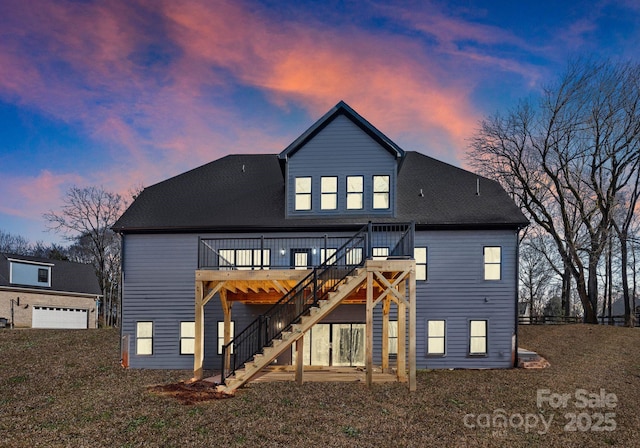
(553, 320)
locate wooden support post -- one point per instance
(385, 334)
(412, 330)
(369, 330)
(402, 336)
(226, 309)
(299, 360)
(198, 357)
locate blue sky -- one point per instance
(126, 93)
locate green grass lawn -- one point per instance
(66, 388)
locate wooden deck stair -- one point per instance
(295, 332)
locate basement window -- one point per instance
(144, 338)
(393, 337)
(478, 337)
(187, 338)
(436, 337)
(221, 336)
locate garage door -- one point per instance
(50, 317)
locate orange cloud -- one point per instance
(382, 76)
(34, 195)
(156, 115)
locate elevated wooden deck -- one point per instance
(380, 281)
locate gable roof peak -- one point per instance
(342, 108)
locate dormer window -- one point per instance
(303, 193)
(43, 275)
(329, 193)
(30, 273)
(355, 192)
(380, 192)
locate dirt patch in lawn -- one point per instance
(189, 393)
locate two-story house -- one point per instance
(337, 244)
(42, 293)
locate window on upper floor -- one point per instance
(187, 338)
(301, 259)
(492, 262)
(381, 192)
(380, 253)
(144, 338)
(328, 255)
(355, 192)
(303, 193)
(420, 255)
(328, 193)
(478, 337)
(243, 259)
(436, 337)
(353, 256)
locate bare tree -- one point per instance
(538, 272)
(86, 219)
(567, 158)
(14, 244)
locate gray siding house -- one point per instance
(294, 215)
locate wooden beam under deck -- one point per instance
(386, 282)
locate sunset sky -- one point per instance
(126, 93)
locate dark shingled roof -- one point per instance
(246, 192)
(66, 276)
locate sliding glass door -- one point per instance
(334, 345)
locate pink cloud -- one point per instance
(379, 74)
(32, 196)
(78, 63)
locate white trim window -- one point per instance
(303, 193)
(393, 337)
(353, 256)
(420, 255)
(381, 189)
(187, 338)
(144, 338)
(328, 254)
(221, 336)
(355, 192)
(380, 253)
(436, 337)
(492, 262)
(243, 259)
(477, 337)
(328, 193)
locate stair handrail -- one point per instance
(315, 286)
(296, 302)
